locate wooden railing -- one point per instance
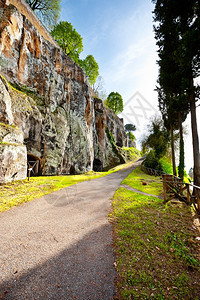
(174, 187)
(151, 172)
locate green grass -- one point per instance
(155, 247)
(18, 192)
(136, 179)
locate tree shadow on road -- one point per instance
(83, 271)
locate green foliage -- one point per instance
(115, 102)
(177, 32)
(131, 136)
(106, 103)
(69, 40)
(48, 11)
(157, 138)
(130, 127)
(152, 162)
(131, 153)
(166, 165)
(91, 68)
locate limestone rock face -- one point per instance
(50, 104)
(105, 157)
(13, 162)
(6, 115)
(13, 154)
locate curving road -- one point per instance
(60, 246)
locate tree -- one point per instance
(179, 21)
(173, 102)
(157, 138)
(98, 88)
(91, 68)
(115, 102)
(48, 11)
(130, 127)
(69, 40)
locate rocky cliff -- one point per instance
(47, 110)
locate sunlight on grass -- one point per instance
(155, 248)
(137, 177)
(18, 192)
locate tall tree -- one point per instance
(48, 11)
(91, 68)
(129, 128)
(69, 40)
(115, 102)
(178, 28)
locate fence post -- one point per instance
(164, 189)
(188, 193)
(198, 200)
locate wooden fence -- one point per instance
(174, 187)
(151, 172)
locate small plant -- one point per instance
(178, 246)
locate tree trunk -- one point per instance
(173, 151)
(181, 148)
(195, 140)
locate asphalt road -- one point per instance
(60, 246)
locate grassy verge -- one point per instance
(155, 246)
(137, 178)
(18, 192)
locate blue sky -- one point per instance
(119, 34)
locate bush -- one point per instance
(166, 165)
(153, 162)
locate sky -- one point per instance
(119, 34)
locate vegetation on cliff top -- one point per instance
(48, 11)
(71, 42)
(115, 102)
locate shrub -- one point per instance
(153, 162)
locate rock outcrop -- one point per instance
(47, 110)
